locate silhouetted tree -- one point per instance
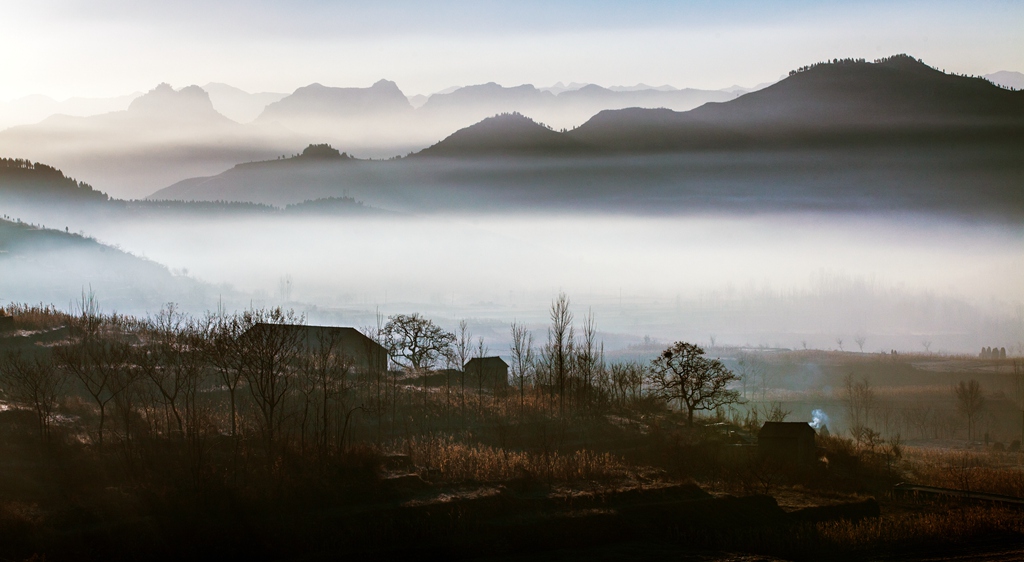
(270, 358)
(858, 398)
(415, 342)
(558, 352)
(683, 373)
(95, 363)
(522, 359)
(462, 348)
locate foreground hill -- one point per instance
(44, 265)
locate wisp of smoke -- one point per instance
(819, 419)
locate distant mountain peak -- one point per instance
(505, 134)
(165, 101)
(323, 152)
(491, 97)
(317, 101)
(1007, 79)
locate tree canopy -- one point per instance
(683, 373)
(414, 341)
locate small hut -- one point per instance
(366, 354)
(489, 373)
(789, 442)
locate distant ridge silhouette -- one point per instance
(932, 141)
(33, 181)
(164, 102)
(507, 134)
(322, 102)
(829, 102)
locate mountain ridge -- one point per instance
(507, 134)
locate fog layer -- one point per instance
(779, 279)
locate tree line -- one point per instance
(197, 380)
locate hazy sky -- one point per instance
(108, 47)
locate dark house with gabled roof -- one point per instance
(790, 442)
(489, 373)
(366, 354)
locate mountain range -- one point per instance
(841, 102)
(166, 135)
(161, 136)
(930, 140)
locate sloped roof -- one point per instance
(350, 340)
(785, 430)
(487, 362)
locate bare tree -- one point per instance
(480, 353)
(839, 342)
(35, 382)
(969, 402)
(626, 381)
(774, 412)
(755, 372)
(861, 340)
(589, 361)
(96, 362)
(462, 349)
(558, 352)
(522, 359)
(683, 373)
(271, 348)
(415, 342)
(171, 359)
(324, 387)
(222, 348)
(858, 398)
(376, 372)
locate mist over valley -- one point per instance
(504, 322)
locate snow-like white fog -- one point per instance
(777, 279)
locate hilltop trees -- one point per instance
(683, 373)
